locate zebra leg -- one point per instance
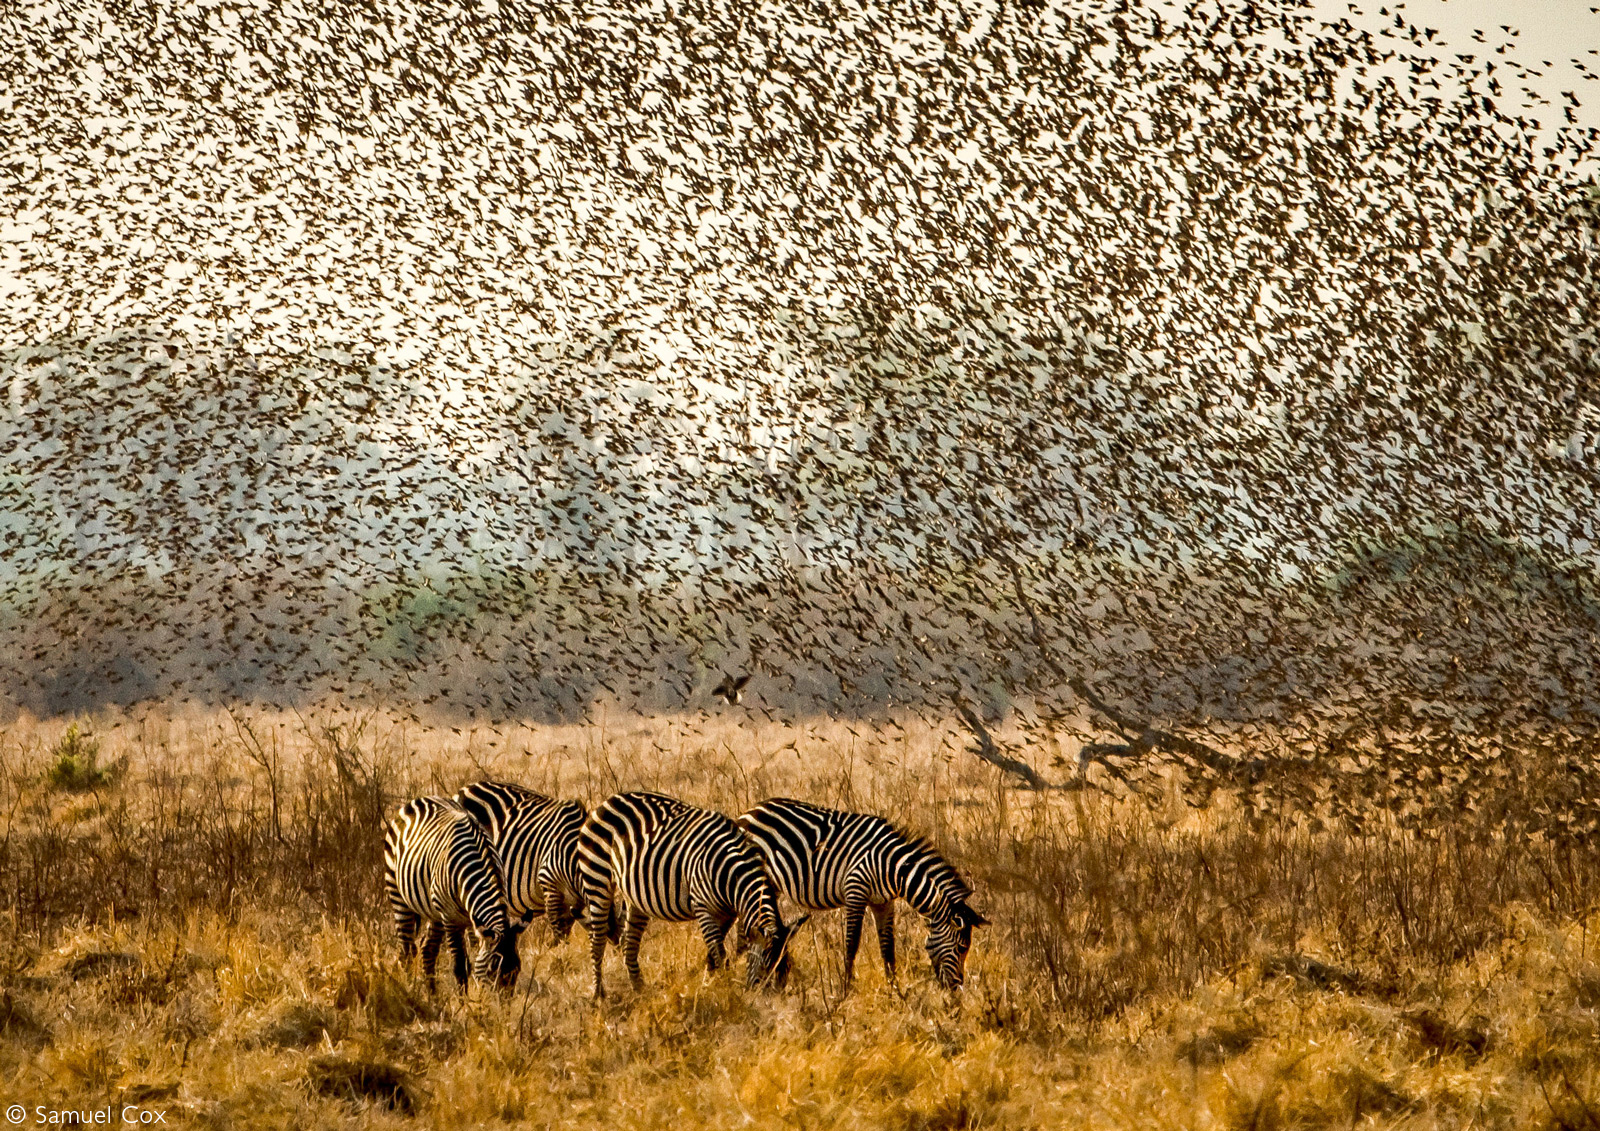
(883, 913)
(598, 916)
(431, 938)
(406, 922)
(632, 934)
(456, 943)
(855, 909)
(556, 912)
(714, 930)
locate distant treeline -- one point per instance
(1455, 629)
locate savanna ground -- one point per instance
(193, 924)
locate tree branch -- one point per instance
(1143, 737)
(1146, 737)
(989, 752)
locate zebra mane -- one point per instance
(944, 874)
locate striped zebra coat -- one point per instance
(827, 858)
(536, 839)
(441, 870)
(668, 860)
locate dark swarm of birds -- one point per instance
(1218, 363)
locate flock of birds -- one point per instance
(472, 871)
(502, 359)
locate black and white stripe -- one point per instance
(490, 802)
(536, 839)
(441, 870)
(669, 860)
(826, 858)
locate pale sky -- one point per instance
(1557, 44)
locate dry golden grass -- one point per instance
(199, 930)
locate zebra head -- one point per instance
(949, 939)
(496, 962)
(767, 961)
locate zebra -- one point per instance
(536, 839)
(827, 858)
(490, 802)
(439, 868)
(673, 861)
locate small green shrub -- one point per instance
(76, 767)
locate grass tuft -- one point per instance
(299, 1024)
(1221, 1042)
(19, 1023)
(361, 1082)
(1314, 973)
(99, 964)
(1442, 1037)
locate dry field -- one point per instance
(191, 923)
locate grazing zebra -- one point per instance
(536, 838)
(827, 858)
(439, 868)
(673, 861)
(490, 802)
